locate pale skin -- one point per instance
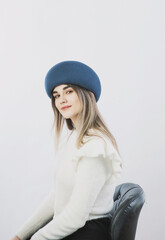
(15, 238)
(65, 97)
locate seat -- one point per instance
(128, 201)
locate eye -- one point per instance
(66, 92)
(56, 96)
(69, 91)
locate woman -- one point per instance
(88, 165)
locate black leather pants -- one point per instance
(95, 229)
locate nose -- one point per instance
(62, 99)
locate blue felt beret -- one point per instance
(73, 72)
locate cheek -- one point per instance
(57, 105)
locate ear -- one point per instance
(92, 95)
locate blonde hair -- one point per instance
(88, 118)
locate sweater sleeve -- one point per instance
(90, 177)
(41, 216)
(105, 149)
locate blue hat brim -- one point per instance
(73, 72)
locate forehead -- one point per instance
(60, 87)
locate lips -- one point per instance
(63, 108)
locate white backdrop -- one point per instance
(123, 41)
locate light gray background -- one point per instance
(123, 41)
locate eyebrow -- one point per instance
(63, 89)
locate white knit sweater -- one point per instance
(84, 185)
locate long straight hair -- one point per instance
(88, 118)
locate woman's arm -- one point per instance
(90, 178)
(40, 218)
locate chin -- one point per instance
(66, 116)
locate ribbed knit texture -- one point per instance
(84, 184)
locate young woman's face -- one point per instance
(66, 96)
